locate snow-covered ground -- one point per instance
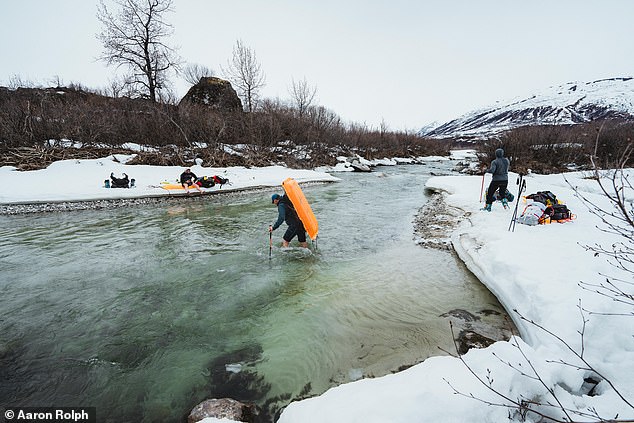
(83, 180)
(536, 270)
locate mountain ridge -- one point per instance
(567, 104)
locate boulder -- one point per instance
(468, 339)
(226, 408)
(215, 93)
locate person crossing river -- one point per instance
(286, 212)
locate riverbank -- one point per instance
(71, 185)
(572, 350)
(80, 184)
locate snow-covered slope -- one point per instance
(571, 103)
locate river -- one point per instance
(142, 312)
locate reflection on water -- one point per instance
(144, 312)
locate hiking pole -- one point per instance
(522, 186)
(482, 186)
(522, 189)
(270, 241)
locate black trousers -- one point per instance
(494, 186)
(295, 227)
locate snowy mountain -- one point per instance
(570, 103)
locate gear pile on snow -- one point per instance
(210, 181)
(543, 207)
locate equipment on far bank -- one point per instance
(203, 182)
(304, 212)
(115, 182)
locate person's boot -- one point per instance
(303, 244)
(486, 208)
(505, 203)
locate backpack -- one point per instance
(119, 182)
(558, 212)
(532, 214)
(220, 181)
(544, 197)
(205, 182)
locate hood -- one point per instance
(499, 153)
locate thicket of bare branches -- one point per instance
(38, 120)
(554, 149)
(615, 185)
(193, 72)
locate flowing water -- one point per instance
(145, 311)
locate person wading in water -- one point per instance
(286, 212)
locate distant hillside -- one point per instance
(567, 104)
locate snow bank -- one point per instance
(537, 271)
(83, 180)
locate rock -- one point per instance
(461, 314)
(468, 339)
(435, 222)
(226, 408)
(215, 93)
(360, 167)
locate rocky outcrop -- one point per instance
(223, 408)
(215, 93)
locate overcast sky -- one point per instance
(404, 62)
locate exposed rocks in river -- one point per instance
(476, 330)
(223, 408)
(468, 339)
(434, 223)
(461, 314)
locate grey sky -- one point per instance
(405, 62)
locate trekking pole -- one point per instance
(482, 186)
(522, 186)
(270, 242)
(522, 189)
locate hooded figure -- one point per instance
(500, 180)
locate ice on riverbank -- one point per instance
(536, 270)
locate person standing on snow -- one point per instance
(286, 212)
(500, 180)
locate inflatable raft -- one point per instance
(305, 213)
(174, 186)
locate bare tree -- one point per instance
(302, 95)
(16, 81)
(135, 39)
(194, 72)
(245, 73)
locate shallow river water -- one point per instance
(145, 311)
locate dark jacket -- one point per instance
(499, 167)
(286, 212)
(120, 182)
(188, 177)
